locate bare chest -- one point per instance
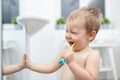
(67, 73)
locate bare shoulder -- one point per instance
(93, 53)
(93, 56)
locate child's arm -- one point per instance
(44, 68)
(9, 69)
(89, 72)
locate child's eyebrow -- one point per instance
(74, 29)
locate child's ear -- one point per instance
(91, 35)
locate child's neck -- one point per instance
(82, 49)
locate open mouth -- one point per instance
(71, 43)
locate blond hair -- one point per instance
(92, 18)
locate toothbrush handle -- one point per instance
(62, 61)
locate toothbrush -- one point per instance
(62, 61)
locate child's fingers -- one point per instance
(65, 53)
(26, 56)
(26, 60)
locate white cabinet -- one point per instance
(107, 61)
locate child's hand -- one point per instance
(68, 55)
(26, 61)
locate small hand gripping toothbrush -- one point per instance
(62, 61)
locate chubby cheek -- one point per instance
(77, 42)
(80, 42)
(78, 39)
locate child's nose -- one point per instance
(68, 36)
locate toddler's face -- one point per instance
(76, 33)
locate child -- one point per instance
(9, 69)
(82, 63)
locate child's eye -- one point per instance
(73, 32)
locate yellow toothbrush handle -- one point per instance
(71, 47)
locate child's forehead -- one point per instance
(76, 18)
(76, 23)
